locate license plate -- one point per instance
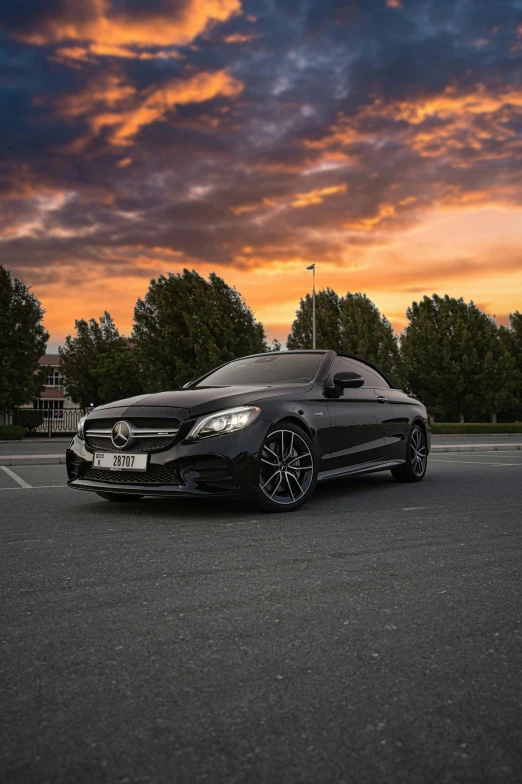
(120, 461)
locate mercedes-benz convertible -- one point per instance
(266, 427)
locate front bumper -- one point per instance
(226, 465)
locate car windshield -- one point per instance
(269, 369)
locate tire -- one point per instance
(119, 496)
(414, 469)
(287, 472)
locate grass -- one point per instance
(471, 428)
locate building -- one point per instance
(52, 400)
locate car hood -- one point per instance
(202, 400)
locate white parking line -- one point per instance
(17, 479)
(473, 462)
(29, 487)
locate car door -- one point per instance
(358, 420)
(386, 412)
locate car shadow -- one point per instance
(228, 510)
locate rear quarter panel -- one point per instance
(406, 410)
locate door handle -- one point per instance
(382, 399)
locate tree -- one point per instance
(368, 334)
(23, 341)
(511, 340)
(97, 364)
(117, 374)
(351, 323)
(186, 325)
(455, 361)
(327, 319)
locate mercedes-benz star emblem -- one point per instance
(120, 435)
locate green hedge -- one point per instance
(11, 432)
(470, 428)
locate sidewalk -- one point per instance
(52, 451)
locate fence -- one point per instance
(47, 422)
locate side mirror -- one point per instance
(188, 384)
(347, 380)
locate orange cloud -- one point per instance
(460, 126)
(71, 55)
(110, 102)
(106, 90)
(317, 196)
(103, 23)
(240, 38)
(475, 255)
(367, 224)
(245, 208)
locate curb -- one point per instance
(32, 460)
(476, 435)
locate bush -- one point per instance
(471, 428)
(11, 432)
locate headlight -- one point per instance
(80, 428)
(227, 421)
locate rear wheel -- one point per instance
(287, 469)
(120, 496)
(414, 469)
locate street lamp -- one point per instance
(312, 267)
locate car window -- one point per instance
(380, 382)
(376, 379)
(268, 369)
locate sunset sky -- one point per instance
(381, 139)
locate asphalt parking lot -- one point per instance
(372, 636)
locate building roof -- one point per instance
(51, 393)
(50, 359)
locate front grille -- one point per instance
(147, 443)
(98, 442)
(154, 475)
(100, 424)
(141, 445)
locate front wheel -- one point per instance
(414, 469)
(287, 469)
(120, 496)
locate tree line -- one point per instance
(451, 354)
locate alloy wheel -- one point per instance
(287, 467)
(418, 452)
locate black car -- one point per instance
(265, 427)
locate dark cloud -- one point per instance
(337, 122)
